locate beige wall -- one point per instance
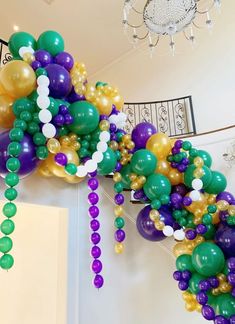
(34, 291)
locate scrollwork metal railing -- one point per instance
(5, 55)
(174, 117)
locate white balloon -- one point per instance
(122, 116)
(25, 49)
(43, 80)
(104, 136)
(42, 90)
(43, 102)
(179, 235)
(195, 195)
(45, 116)
(197, 184)
(91, 166)
(49, 130)
(102, 147)
(113, 119)
(97, 156)
(81, 171)
(168, 231)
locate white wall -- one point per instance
(207, 72)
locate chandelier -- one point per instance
(152, 19)
(229, 155)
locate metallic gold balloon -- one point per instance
(126, 138)
(231, 210)
(64, 141)
(191, 306)
(59, 170)
(117, 177)
(124, 160)
(104, 125)
(2, 91)
(43, 170)
(211, 199)
(215, 291)
(135, 185)
(179, 249)
(53, 145)
(198, 162)
(160, 145)
(104, 105)
(118, 101)
(198, 173)
(119, 248)
(73, 137)
(225, 287)
(175, 177)
(118, 210)
(130, 145)
(154, 215)
(159, 225)
(113, 145)
(28, 58)
(222, 205)
(200, 204)
(186, 296)
(90, 93)
(163, 167)
(142, 179)
(7, 116)
(18, 79)
(76, 146)
(133, 176)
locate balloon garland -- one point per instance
(63, 126)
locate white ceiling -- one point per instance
(92, 29)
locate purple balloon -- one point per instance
(180, 189)
(119, 235)
(141, 133)
(97, 266)
(176, 200)
(221, 320)
(60, 81)
(95, 238)
(94, 211)
(95, 252)
(98, 281)
(225, 195)
(43, 57)
(28, 159)
(61, 159)
(94, 225)
(64, 59)
(146, 226)
(208, 312)
(36, 65)
(225, 238)
(93, 183)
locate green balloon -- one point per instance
(23, 104)
(107, 165)
(42, 152)
(19, 39)
(14, 149)
(9, 209)
(7, 227)
(206, 157)
(10, 194)
(6, 261)
(85, 116)
(184, 262)
(217, 184)
(54, 106)
(51, 41)
(210, 232)
(12, 179)
(157, 185)
(208, 259)
(194, 282)
(143, 162)
(211, 299)
(5, 244)
(125, 172)
(189, 177)
(225, 305)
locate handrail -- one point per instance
(209, 132)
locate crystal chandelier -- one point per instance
(229, 155)
(152, 19)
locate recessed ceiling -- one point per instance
(92, 29)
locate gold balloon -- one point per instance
(222, 205)
(18, 79)
(154, 215)
(118, 210)
(198, 162)
(28, 58)
(104, 105)
(76, 146)
(200, 204)
(191, 306)
(160, 145)
(126, 138)
(159, 225)
(73, 179)
(179, 249)
(2, 91)
(7, 116)
(211, 199)
(104, 125)
(118, 101)
(119, 248)
(163, 167)
(175, 177)
(225, 287)
(90, 93)
(198, 173)
(53, 145)
(142, 179)
(43, 170)
(64, 141)
(117, 177)
(216, 218)
(58, 170)
(136, 185)
(231, 210)
(113, 145)
(186, 296)
(130, 145)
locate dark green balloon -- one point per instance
(51, 41)
(189, 177)
(19, 39)
(11, 179)
(157, 185)
(85, 116)
(23, 104)
(225, 305)
(6, 261)
(125, 172)
(206, 157)
(10, 194)
(5, 244)
(143, 162)
(184, 262)
(208, 259)
(54, 106)
(217, 184)
(14, 149)
(210, 232)
(194, 282)
(107, 165)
